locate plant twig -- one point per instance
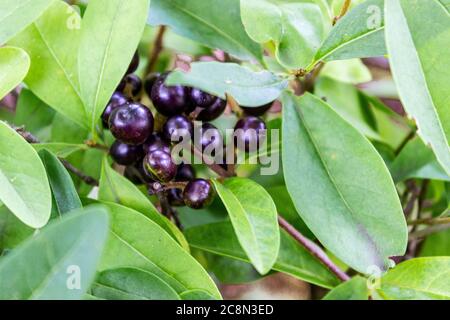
(429, 221)
(428, 231)
(214, 167)
(343, 12)
(156, 51)
(314, 249)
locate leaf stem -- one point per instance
(429, 221)
(428, 231)
(312, 248)
(344, 10)
(156, 51)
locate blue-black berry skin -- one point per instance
(132, 123)
(156, 142)
(117, 100)
(185, 172)
(177, 127)
(257, 111)
(169, 100)
(134, 63)
(211, 138)
(215, 110)
(150, 81)
(198, 194)
(248, 133)
(201, 99)
(131, 86)
(160, 165)
(125, 154)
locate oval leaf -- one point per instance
(63, 189)
(131, 284)
(354, 289)
(247, 87)
(417, 37)
(359, 34)
(59, 149)
(340, 185)
(41, 268)
(418, 279)
(24, 187)
(293, 259)
(214, 23)
(15, 15)
(116, 188)
(52, 44)
(110, 35)
(136, 241)
(14, 65)
(254, 218)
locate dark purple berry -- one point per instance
(131, 85)
(150, 81)
(137, 174)
(185, 172)
(201, 99)
(134, 63)
(213, 111)
(249, 132)
(117, 100)
(209, 137)
(156, 142)
(175, 197)
(132, 123)
(177, 127)
(159, 164)
(198, 194)
(257, 111)
(169, 101)
(125, 154)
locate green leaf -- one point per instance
(354, 289)
(136, 241)
(214, 23)
(24, 187)
(14, 65)
(340, 185)
(418, 279)
(110, 35)
(34, 114)
(254, 218)
(62, 150)
(196, 295)
(116, 188)
(131, 284)
(359, 34)
(295, 27)
(12, 230)
(436, 244)
(352, 71)
(63, 190)
(52, 46)
(15, 15)
(47, 266)
(416, 160)
(293, 259)
(417, 37)
(248, 87)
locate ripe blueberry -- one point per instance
(131, 85)
(249, 132)
(131, 124)
(209, 137)
(117, 100)
(156, 142)
(134, 63)
(198, 194)
(159, 165)
(169, 101)
(177, 127)
(150, 81)
(125, 154)
(214, 111)
(185, 172)
(257, 111)
(201, 99)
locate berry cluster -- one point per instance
(144, 147)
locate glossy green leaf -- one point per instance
(24, 187)
(136, 241)
(340, 185)
(62, 150)
(248, 87)
(293, 259)
(196, 295)
(12, 230)
(437, 244)
(63, 190)
(296, 28)
(354, 289)
(214, 23)
(110, 35)
(352, 71)
(15, 15)
(131, 284)
(418, 279)
(59, 262)
(14, 65)
(419, 54)
(359, 34)
(52, 42)
(416, 160)
(116, 188)
(254, 218)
